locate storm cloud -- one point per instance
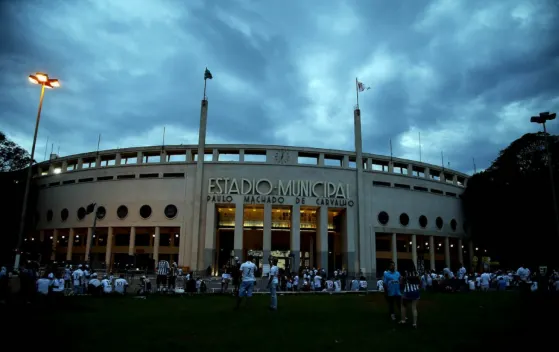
(467, 74)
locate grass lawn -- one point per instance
(305, 322)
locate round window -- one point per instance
(101, 212)
(383, 217)
(171, 211)
(64, 214)
(145, 211)
(423, 221)
(439, 222)
(122, 212)
(404, 219)
(453, 224)
(49, 215)
(81, 213)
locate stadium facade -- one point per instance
(306, 206)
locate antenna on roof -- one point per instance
(46, 148)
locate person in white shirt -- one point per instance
(94, 285)
(107, 286)
(273, 284)
(317, 282)
(78, 280)
(295, 282)
(380, 285)
(338, 285)
(43, 286)
(120, 285)
(461, 272)
(246, 271)
(58, 286)
(485, 279)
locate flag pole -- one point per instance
(98, 143)
(163, 135)
(46, 148)
(474, 161)
(419, 146)
(442, 160)
(390, 149)
(357, 91)
(205, 81)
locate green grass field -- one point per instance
(304, 322)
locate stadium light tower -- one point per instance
(543, 118)
(45, 82)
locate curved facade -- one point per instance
(299, 204)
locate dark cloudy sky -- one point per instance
(466, 74)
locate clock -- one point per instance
(282, 156)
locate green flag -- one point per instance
(207, 74)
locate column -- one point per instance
(108, 253)
(394, 248)
(414, 250)
(118, 159)
(460, 252)
(410, 170)
(88, 243)
(156, 239)
(54, 243)
(296, 237)
(321, 159)
(432, 251)
(241, 155)
(70, 245)
(163, 156)
(215, 155)
(427, 173)
(267, 240)
(79, 166)
(390, 167)
(98, 161)
(132, 244)
(348, 242)
(210, 238)
(322, 237)
(42, 235)
(447, 252)
(239, 227)
(139, 158)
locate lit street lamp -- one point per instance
(546, 116)
(44, 81)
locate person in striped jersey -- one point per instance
(411, 283)
(163, 269)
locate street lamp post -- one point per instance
(44, 81)
(542, 118)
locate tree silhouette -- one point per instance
(12, 156)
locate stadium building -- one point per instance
(306, 206)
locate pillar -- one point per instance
(210, 238)
(132, 244)
(241, 155)
(295, 237)
(447, 252)
(70, 245)
(267, 240)
(460, 252)
(54, 243)
(432, 252)
(139, 158)
(108, 252)
(410, 170)
(394, 248)
(322, 237)
(118, 159)
(239, 227)
(156, 239)
(42, 235)
(88, 243)
(349, 247)
(414, 251)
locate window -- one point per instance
(81, 213)
(171, 211)
(101, 212)
(383, 217)
(423, 221)
(64, 214)
(122, 212)
(145, 211)
(453, 224)
(49, 215)
(404, 219)
(439, 222)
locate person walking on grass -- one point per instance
(273, 284)
(392, 288)
(412, 284)
(246, 272)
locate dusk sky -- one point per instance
(466, 74)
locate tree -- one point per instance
(509, 206)
(12, 156)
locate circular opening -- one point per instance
(453, 224)
(171, 211)
(383, 217)
(81, 213)
(439, 222)
(145, 211)
(64, 214)
(101, 212)
(423, 221)
(49, 215)
(404, 219)
(122, 212)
